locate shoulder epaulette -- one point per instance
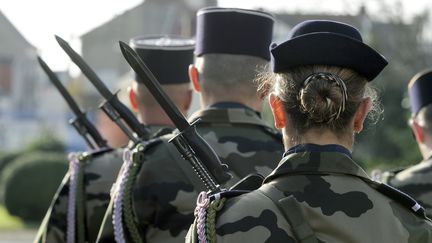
(274, 133)
(400, 197)
(162, 132)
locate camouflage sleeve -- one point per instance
(106, 231)
(164, 196)
(252, 217)
(53, 227)
(416, 181)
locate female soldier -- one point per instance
(320, 97)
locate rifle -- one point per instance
(112, 106)
(83, 126)
(188, 142)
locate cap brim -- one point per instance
(328, 49)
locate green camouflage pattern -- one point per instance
(166, 187)
(331, 200)
(99, 175)
(416, 181)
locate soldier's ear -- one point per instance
(194, 78)
(361, 114)
(133, 98)
(278, 110)
(418, 131)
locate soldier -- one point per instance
(319, 95)
(100, 171)
(415, 180)
(231, 48)
(167, 57)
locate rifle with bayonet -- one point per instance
(83, 126)
(112, 106)
(188, 142)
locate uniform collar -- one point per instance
(232, 105)
(318, 148)
(306, 159)
(157, 130)
(227, 113)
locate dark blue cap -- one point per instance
(420, 90)
(327, 43)
(168, 57)
(234, 31)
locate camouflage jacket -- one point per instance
(416, 181)
(100, 172)
(165, 188)
(319, 194)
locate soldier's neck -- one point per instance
(318, 136)
(155, 117)
(207, 101)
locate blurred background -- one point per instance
(35, 135)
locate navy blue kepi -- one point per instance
(233, 31)
(328, 43)
(167, 56)
(420, 90)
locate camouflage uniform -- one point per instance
(100, 172)
(320, 194)
(166, 188)
(416, 181)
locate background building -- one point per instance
(28, 103)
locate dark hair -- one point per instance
(314, 96)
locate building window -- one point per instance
(5, 76)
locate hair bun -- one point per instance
(323, 97)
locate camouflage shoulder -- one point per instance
(398, 196)
(273, 132)
(151, 143)
(253, 212)
(162, 131)
(385, 176)
(240, 213)
(96, 153)
(420, 170)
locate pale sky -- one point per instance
(40, 20)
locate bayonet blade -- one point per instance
(85, 68)
(111, 99)
(69, 100)
(83, 126)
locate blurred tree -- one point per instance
(30, 183)
(389, 143)
(46, 142)
(39, 165)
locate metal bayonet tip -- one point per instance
(126, 51)
(63, 44)
(40, 60)
(135, 61)
(59, 39)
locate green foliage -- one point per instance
(7, 157)
(8, 222)
(47, 142)
(30, 182)
(389, 143)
